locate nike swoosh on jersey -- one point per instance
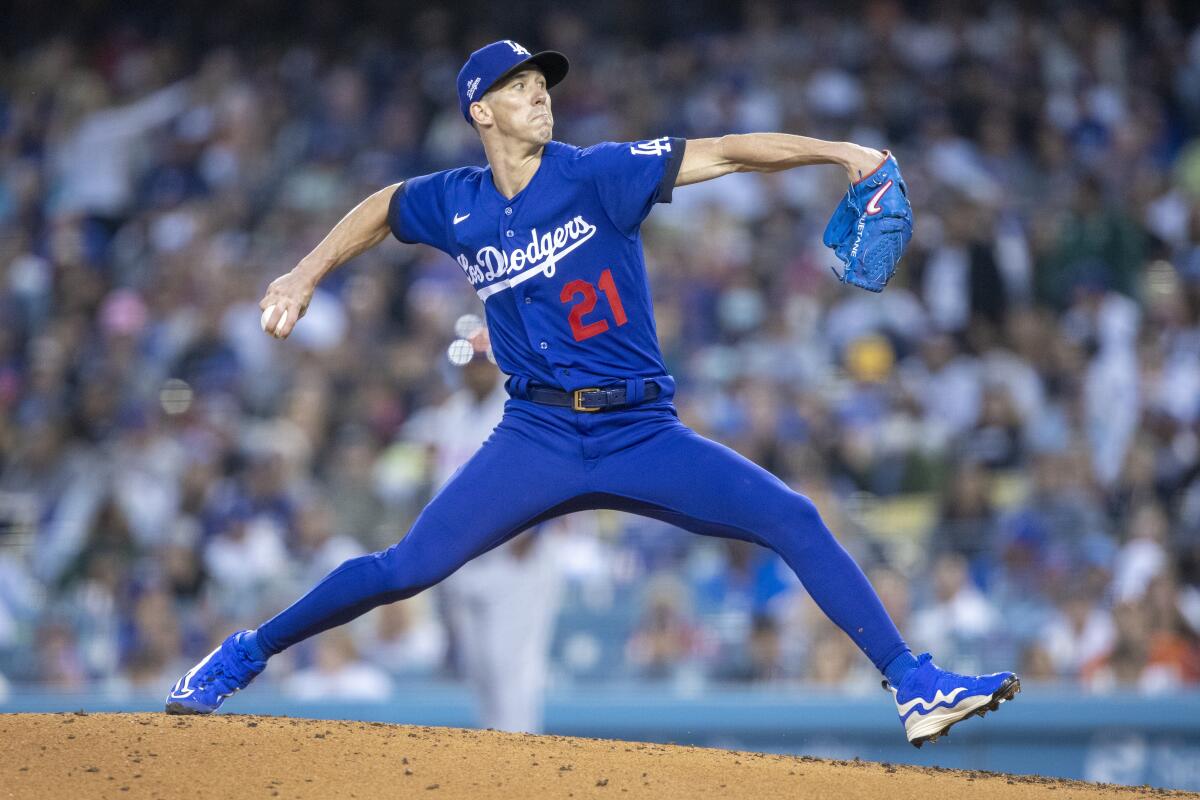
(458, 219)
(927, 705)
(873, 204)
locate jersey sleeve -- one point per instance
(416, 212)
(631, 177)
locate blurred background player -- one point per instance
(501, 606)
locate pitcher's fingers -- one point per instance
(282, 328)
(274, 319)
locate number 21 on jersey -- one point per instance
(587, 303)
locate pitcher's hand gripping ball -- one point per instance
(871, 227)
(266, 320)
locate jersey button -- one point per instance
(508, 212)
(544, 346)
(528, 300)
(508, 234)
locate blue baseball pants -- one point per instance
(543, 461)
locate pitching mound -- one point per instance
(152, 755)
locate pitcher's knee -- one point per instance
(390, 573)
(805, 512)
(405, 569)
(797, 522)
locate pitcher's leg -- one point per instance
(432, 550)
(682, 478)
(505, 487)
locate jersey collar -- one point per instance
(551, 149)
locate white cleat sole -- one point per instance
(938, 722)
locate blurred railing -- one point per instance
(1121, 738)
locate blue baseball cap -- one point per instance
(489, 64)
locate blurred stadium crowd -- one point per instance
(1008, 438)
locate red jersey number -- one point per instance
(581, 288)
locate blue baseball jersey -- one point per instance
(559, 267)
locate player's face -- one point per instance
(521, 107)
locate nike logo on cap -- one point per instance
(873, 205)
(458, 219)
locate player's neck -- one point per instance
(513, 164)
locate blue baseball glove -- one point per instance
(871, 227)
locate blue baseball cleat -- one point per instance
(204, 687)
(930, 700)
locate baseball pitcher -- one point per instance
(548, 236)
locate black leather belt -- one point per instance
(589, 400)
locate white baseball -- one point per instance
(266, 318)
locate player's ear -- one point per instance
(480, 113)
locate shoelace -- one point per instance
(943, 674)
(216, 677)
(226, 680)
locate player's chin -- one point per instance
(542, 131)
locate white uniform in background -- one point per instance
(503, 604)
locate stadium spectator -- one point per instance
(959, 618)
(338, 673)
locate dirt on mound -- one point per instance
(79, 755)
